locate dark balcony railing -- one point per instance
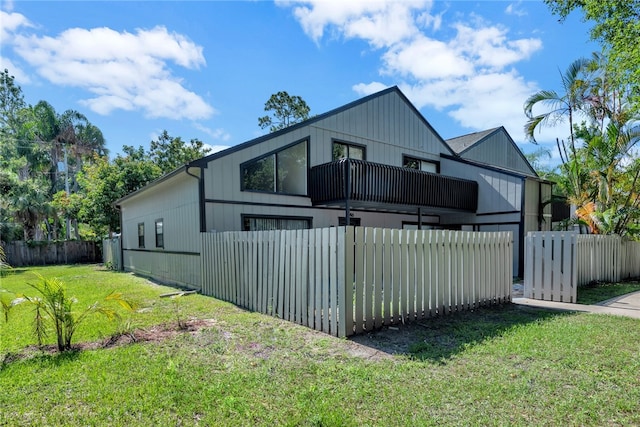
(358, 180)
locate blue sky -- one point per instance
(204, 69)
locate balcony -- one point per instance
(384, 187)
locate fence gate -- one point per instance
(111, 253)
(550, 268)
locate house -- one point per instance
(373, 162)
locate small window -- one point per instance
(261, 223)
(159, 234)
(343, 150)
(420, 164)
(352, 221)
(284, 171)
(141, 235)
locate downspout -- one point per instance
(419, 218)
(201, 206)
(521, 227)
(121, 234)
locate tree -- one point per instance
(170, 153)
(600, 170)
(561, 106)
(616, 25)
(286, 111)
(105, 182)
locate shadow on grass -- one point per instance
(437, 339)
(41, 357)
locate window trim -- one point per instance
(309, 219)
(348, 144)
(141, 236)
(161, 222)
(409, 156)
(307, 140)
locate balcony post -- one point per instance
(347, 191)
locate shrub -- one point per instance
(54, 310)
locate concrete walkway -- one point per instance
(625, 305)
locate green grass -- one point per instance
(507, 365)
(593, 294)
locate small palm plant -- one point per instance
(54, 310)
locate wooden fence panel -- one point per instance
(112, 253)
(344, 280)
(557, 263)
(550, 259)
(20, 253)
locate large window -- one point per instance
(343, 150)
(159, 233)
(260, 223)
(141, 235)
(420, 164)
(284, 171)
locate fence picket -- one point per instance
(307, 276)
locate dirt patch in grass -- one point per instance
(154, 333)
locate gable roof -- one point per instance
(460, 144)
(468, 146)
(202, 162)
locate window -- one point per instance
(141, 235)
(343, 150)
(159, 234)
(420, 164)
(352, 221)
(284, 171)
(260, 223)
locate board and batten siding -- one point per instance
(175, 201)
(498, 150)
(498, 192)
(387, 126)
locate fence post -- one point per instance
(345, 282)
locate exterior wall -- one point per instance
(175, 201)
(228, 217)
(498, 192)
(386, 126)
(498, 150)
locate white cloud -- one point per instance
(128, 71)
(515, 9)
(470, 73)
(424, 58)
(367, 89)
(10, 23)
(381, 23)
(216, 134)
(15, 71)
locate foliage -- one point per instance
(53, 309)
(616, 25)
(286, 110)
(170, 153)
(600, 169)
(105, 182)
(34, 142)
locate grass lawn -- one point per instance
(506, 365)
(593, 294)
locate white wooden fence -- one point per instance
(346, 280)
(556, 263)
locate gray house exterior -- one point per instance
(374, 162)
